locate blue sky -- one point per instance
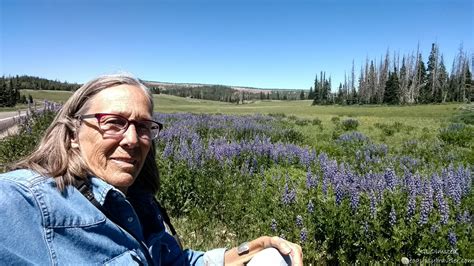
(257, 43)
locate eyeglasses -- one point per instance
(114, 125)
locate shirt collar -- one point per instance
(101, 189)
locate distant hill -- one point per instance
(235, 94)
(171, 85)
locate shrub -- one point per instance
(292, 117)
(335, 119)
(277, 115)
(465, 116)
(316, 122)
(389, 130)
(350, 124)
(302, 122)
(457, 134)
(31, 130)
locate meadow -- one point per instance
(348, 183)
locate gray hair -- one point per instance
(54, 156)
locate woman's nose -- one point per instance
(130, 136)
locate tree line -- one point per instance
(10, 88)
(226, 93)
(401, 81)
(10, 93)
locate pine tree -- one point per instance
(404, 84)
(3, 92)
(420, 83)
(392, 89)
(302, 97)
(429, 92)
(468, 85)
(9, 94)
(372, 83)
(317, 93)
(310, 94)
(442, 94)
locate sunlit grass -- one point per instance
(419, 121)
(41, 95)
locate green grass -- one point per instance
(40, 95)
(303, 109)
(420, 122)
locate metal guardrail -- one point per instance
(9, 122)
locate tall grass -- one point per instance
(350, 184)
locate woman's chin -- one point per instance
(121, 180)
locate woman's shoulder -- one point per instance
(22, 177)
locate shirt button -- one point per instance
(130, 219)
(159, 217)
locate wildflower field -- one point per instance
(349, 184)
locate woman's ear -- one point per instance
(75, 139)
(74, 144)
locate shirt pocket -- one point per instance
(165, 250)
(130, 257)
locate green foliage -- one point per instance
(316, 122)
(15, 147)
(277, 115)
(390, 129)
(222, 204)
(9, 92)
(331, 232)
(392, 89)
(302, 122)
(465, 115)
(350, 124)
(457, 134)
(35, 83)
(335, 119)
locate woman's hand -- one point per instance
(232, 256)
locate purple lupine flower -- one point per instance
(273, 225)
(390, 179)
(412, 192)
(411, 206)
(310, 206)
(303, 235)
(426, 203)
(299, 221)
(451, 183)
(354, 198)
(353, 136)
(339, 194)
(465, 217)
(325, 186)
(392, 217)
(197, 150)
(443, 206)
(452, 239)
(262, 170)
(434, 228)
(289, 195)
(466, 179)
(168, 150)
(373, 205)
(310, 180)
(437, 185)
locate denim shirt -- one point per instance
(41, 225)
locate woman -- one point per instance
(86, 194)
